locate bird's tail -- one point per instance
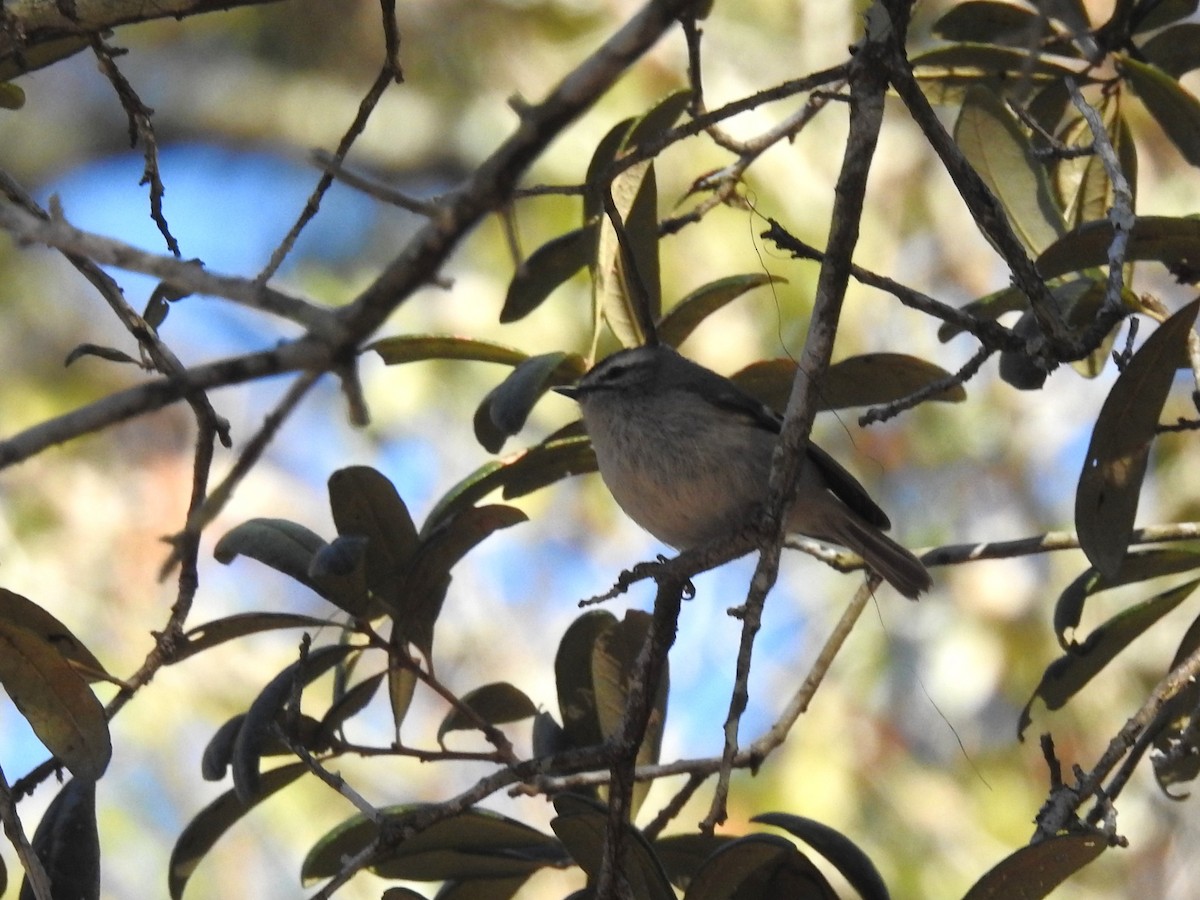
(897, 565)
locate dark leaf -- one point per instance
(285, 546)
(759, 867)
(109, 353)
(866, 380)
(546, 268)
(682, 855)
(212, 634)
(419, 600)
(518, 474)
(366, 504)
(473, 844)
(156, 311)
(548, 736)
(260, 719)
(581, 826)
(402, 893)
(506, 407)
(983, 21)
(481, 889)
(68, 844)
(1176, 758)
(1068, 674)
(402, 679)
(1141, 565)
(217, 818)
(348, 706)
(847, 857)
(948, 73)
(659, 119)
(1151, 14)
(1175, 109)
(418, 347)
(688, 313)
(48, 691)
(989, 307)
(218, 752)
(603, 157)
(991, 139)
(1034, 871)
(1176, 50)
(1166, 239)
(495, 703)
(1106, 499)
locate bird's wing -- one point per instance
(847, 488)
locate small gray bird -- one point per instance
(686, 454)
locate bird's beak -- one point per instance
(568, 390)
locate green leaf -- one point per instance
(1175, 109)
(211, 634)
(503, 412)
(759, 867)
(1167, 239)
(67, 842)
(217, 818)
(402, 678)
(1141, 565)
(521, 473)
(603, 156)
(675, 327)
(991, 139)
(419, 347)
(496, 703)
(48, 691)
(1034, 871)
(473, 844)
(989, 308)
(1106, 498)
(42, 54)
(285, 546)
(260, 719)
(546, 268)
(1175, 50)
(847, 857)
(581, 825)
(1068, 674)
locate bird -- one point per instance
(686, 454)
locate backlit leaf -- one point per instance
(48, 691)
(22, 612)
(419, 347)
(211, 634)
(991, 139)
(1166, 239)
(759, 867)
(581, 825)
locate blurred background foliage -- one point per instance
(911, 746)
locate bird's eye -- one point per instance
(615, 373)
